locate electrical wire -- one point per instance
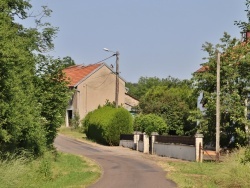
(101, 75)
(100, 84)
(101, 60)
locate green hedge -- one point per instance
(105, 124)
(150, 123)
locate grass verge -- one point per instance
(229, 173)
(71, 132)
(51, 170)
(75, 133)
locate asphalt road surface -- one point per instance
(122, 167)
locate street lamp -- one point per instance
(117, 75)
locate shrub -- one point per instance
(75, 121)
(105, 124)
(150, 123)
(246, 157)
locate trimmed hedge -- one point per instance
(105, 124)
(150, 123)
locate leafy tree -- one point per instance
(137, 90)
(144, 84)
(234, 81)
(67, 62)
(150, 123)
(235, 66)
(20, 121)
(132, 89)
(173, 105)
(52, 94)
(33, 92)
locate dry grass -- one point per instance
(229, 173)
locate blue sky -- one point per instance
(155, 38)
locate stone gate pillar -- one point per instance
(199, 147)
(153, 134)
(136, 139)
(145, 143)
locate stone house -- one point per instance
(93, 85)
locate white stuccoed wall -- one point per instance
(178, 151)
(175, 151)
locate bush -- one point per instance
(75, 121)
(104, 125)
(150, 123)
(246, 157)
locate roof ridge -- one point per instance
(79, 72)
(82, 66)
(72, 66)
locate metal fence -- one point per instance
(141, 137)
(126, 137)
(188, 140)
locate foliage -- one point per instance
(172, 104)
(246, 157)
(170, 98)
(52, 93)
(33, 93)
(244, 26)
(20, 125)
(144, 84)
(67, 62)
(150, 123)
(75, 121)
(234, 83)
(104, 125)
(108, 103)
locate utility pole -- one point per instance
(117, 54)
(218, 110)
(117, 79)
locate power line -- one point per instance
(101, 83)
(101, 60)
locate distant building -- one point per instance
(92, 86)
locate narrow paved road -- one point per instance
(123, 168)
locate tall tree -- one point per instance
(29, 85)
(146, 83)
(173, 105)
(52, 94)
(20, 122)
(235, 87)
(67, 61)
(234, 80)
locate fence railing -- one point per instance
(141, 137)
(126, 137)
(175, 139)
(180, 147)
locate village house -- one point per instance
(92, 86)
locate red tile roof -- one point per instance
(76, 73)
